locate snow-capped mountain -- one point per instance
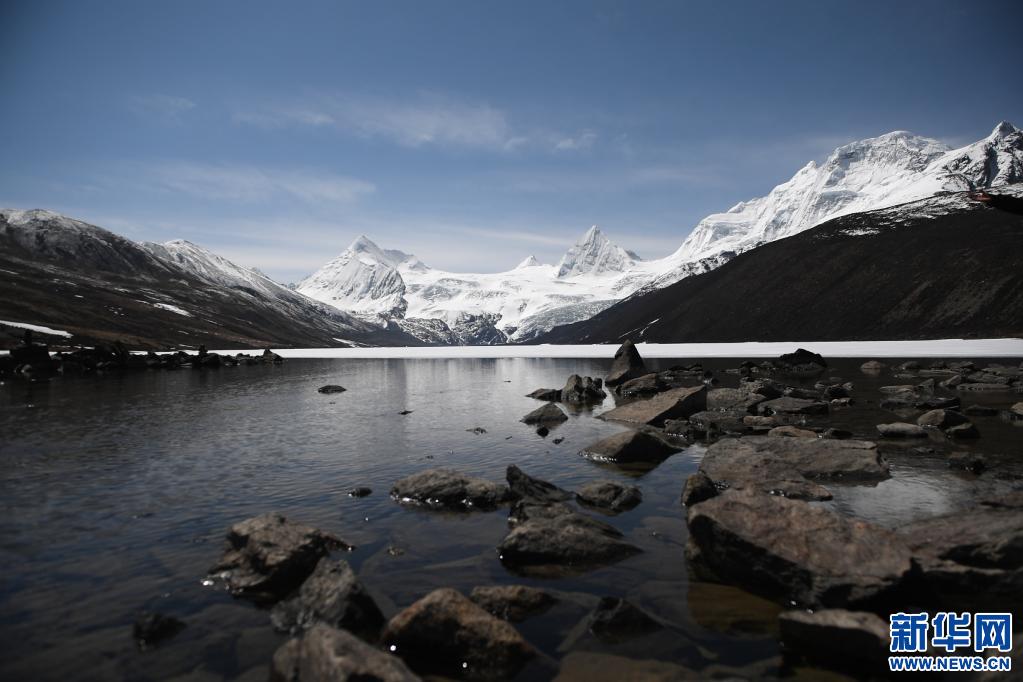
(595, 273)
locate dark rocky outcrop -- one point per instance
(450, 490)
(525, 487)
(152, 628)
(630, 446)
(268, 556)
(547, 415)
(582, 391)
(334, 596)
(331, 388)
(445, 633)
(644, 385)
(326, 654)
(627, 365)
(802, 363)
(856, 641)
(514, 603)
(789, 550)
(733, 399)
(674, 404)
(609, 496)
(552, 395)
(791, 405)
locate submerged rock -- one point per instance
(790, 405)
(630, 446)
(615, 620)
(674, 404)
(268, 556)
(941, 419)
(512, 602)
(552, 395)
(873, 367)
(331, 388)
(627, 365)
(789, 550)
(547, 415)
(445, 633)
(790, 431)
(152, 628)
(331, 595)
(856, 641)
(526, 487)
(326, 654)
(449, 489)
(901, 430)
(609, 496)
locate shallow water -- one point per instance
(117, 491)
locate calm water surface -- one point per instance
(117, 491)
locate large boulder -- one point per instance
(326, 654)
(334, 596)
(525, 487)
(582, 391)
(802, 363)
(609, 496)
(941, 419)
(790, 467)
(674, 404)
(268, 556)
(790, 405)
(856, 641)
(448, 489)
(792, 551)
(547, 415)
(630, 446)
(901, 430)
(512, 602)
(552, 395)
(553, 538)
(733, 399)
(445, 633)
(627, 365)
(646, 384)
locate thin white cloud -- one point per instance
(168, 108)
(582, 141)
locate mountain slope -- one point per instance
(942, 267)
(101, 287)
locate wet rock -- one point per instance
(450, 490)
(733, 399)
(967, 461)
(630, 446)
(445, 633)
(941, 419)
(582, 391)
(901, 430)
(526, 487)
(552, 395)
(332, 595)
(982, 411)
(789, 431)
(514, 603)
(790, 466)
(984, 387)
(609, 496)
(543, 431)
(268, 556)
(478, 430)
(152, 628)
(856, 641)
(558, 441)
(678, 427)
(790, 405)
(326, 654)
(910, 366)
(764, 387)
(361, 491)
(987, 378)
(405, 413)
(802, 362)
(967, 430)
(627, 365)
(937, 403)
(674, 404)
(615, 620)
(555, 537)
(698, 487)
(546, 415)
(759, 422)
(837, 434)
(268, 357)
(802, 393)
(646, 384)
(873, 367)
(789, 550)
(712, 424)
(1017, 409)
(952, 381)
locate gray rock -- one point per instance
(546, 415)
(698, 487)
(790, 431)
(552, 395)
(609, 496)
(941, 419)
(325, 654)
(582, 391)
(616, 620)
(627, 365)
(967, 461)
(764, 387)
(526, 487)
(630, 446)
(450, 490)
(514, 603)
(790, 405)
(331, 388)
(983, 411)
(445, 633)
(332, 595)
(733, 399)
(802, 362)
(873, 367)
(856, 641)
(711, 424)
(648, 383)
(674, 404)
(553, 538)
(967, 430)
(987, 378)
(984, 387)
(268, 556)
(901, 430)
(789, 550)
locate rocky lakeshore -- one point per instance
(720, 520)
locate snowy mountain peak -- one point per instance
(363, 277)
(1003, 129)
(529, 262)
(594, 254)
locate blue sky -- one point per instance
(470, 133)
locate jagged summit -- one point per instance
(529, 262)
(1003, 129)
(594, 254)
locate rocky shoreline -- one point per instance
(752, 510)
